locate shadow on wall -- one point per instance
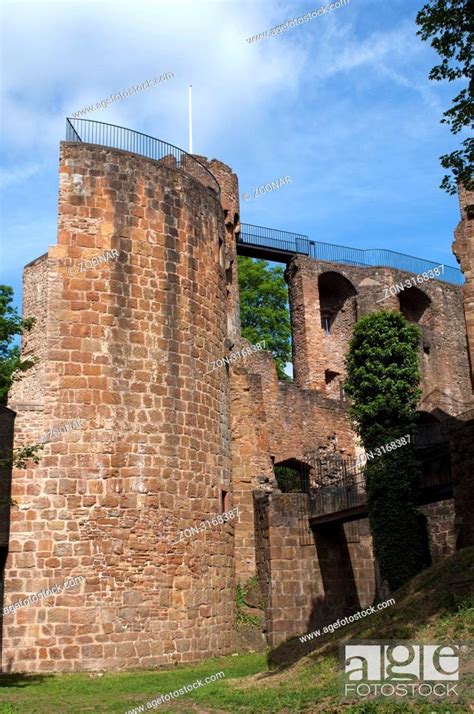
(341, 596)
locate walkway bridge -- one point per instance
(336, 485)
(339, 492)
(281, 246)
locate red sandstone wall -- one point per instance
(229, 198)
(463, 249)
(291, 583)
(7, 422)
(309, 579)
(443, 353)
(274, 421)
(126, 348)
(27, 397)
(461, 440)
(441, 529)
(250, 460)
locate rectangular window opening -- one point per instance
(224, 504)
(221, 252)
(326, 324)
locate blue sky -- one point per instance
(342, 104)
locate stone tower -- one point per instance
(124, 343)
(463, 249)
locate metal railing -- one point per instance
(118, 137)
(335, 484)
(273, 238)
(338, 483)
(375, 257)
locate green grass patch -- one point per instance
(118, 692)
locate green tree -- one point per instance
(264, 310)
(12, 367)
(449, 25)
(383, 375)
(18, 458)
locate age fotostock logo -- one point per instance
(400, 669)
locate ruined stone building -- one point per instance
(125, 343)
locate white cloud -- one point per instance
(18, 174)
(338, 103)
(78, 54)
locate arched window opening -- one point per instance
(414, 305)
(337, 302)
(292, 476)
(338, 312)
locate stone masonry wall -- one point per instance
(126, 346)
(441, 529)
(463, 249)
(126, 351)
(318, 357)
(309, 579)
(7, 421)
(292, 583)
(27, 397)
(461, 439)
(274, 421)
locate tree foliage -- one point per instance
(12, 367)
(19, 458)
(263, 308)
(383, 375)
(398, 528)
(449, 25)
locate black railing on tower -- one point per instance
(118, 137)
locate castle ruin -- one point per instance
(165, 442)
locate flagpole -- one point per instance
(190, 95)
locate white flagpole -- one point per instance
(190, 118)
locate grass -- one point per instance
(304, 677)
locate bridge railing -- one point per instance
(118, 137)
(337, 483)
(274, 238)
(375, 257)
